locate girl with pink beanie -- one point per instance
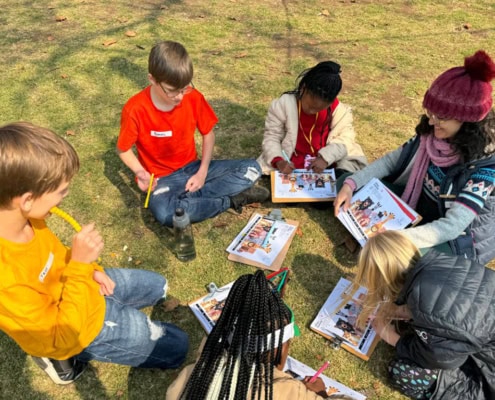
(446, 172)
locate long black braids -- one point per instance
(236, 355)
(473, 141)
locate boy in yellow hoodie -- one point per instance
(58, 304)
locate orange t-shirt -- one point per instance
(164, 139)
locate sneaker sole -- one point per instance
(45, 364)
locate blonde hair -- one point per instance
(33, 159)
(382, 266)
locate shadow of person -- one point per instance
(139, 378)
(132, 198)
(15, 382)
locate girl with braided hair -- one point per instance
(446, 172)
(309, 128)
(245, 353)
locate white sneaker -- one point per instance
(61, 372)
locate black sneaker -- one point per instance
(62, 372)
(255, 194)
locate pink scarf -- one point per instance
(439, 152)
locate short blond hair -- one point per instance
(33, 159)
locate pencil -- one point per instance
(318, 373)
(149, 191)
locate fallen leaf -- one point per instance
(64, 76)
(70, 133)
(467, 26)
(299, 232)
(215, 52)
(50, 38)
(140, 47)
(109, 42)
(138, 262)
(170, 304)
(113, 255)
(233, 18)
(319, 357)
(325, 13)
(241, 55)
(60, 18)
(119, 393)
(130, 33)
(220, 224)
(122, 20)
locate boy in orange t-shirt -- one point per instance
(56, 303)
(160, 121)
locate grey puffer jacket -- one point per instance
(452, 302)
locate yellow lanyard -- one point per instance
(310, 138)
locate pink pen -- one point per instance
(318, 373)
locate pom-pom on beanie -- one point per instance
(463, 93)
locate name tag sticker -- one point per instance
(161, 134)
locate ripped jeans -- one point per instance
(225, 178)
(128, 336)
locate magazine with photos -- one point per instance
(375, 209)
(208, 308)
(299, 371)
(340, 324)
(303, 185)
(263, 242)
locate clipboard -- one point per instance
(303, 186)
(253, 246)
(335, 323)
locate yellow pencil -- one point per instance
(149, 191)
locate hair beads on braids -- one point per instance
(232, 362)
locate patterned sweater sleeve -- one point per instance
(464, 210)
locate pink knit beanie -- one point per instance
(463, 93)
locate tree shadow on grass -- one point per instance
(138, 377)
(15, 383)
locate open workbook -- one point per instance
(303, 185)
(375, 209)
(339, 323)
(263, 242)
(207, 310)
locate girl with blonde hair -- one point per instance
(447, 348)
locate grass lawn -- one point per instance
(71, 66)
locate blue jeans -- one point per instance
(128, 336)
(225, 178)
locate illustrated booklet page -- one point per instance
(303, 185)
(337, 321)
(263, 242)
(375, 209)
(299, 371)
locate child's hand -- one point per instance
(343, 198)
(317, 386)
(386, 331)
(87, 245)
(195, 183)
(106, 284)
(318, 164)
(284, 166)
(143, 180)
